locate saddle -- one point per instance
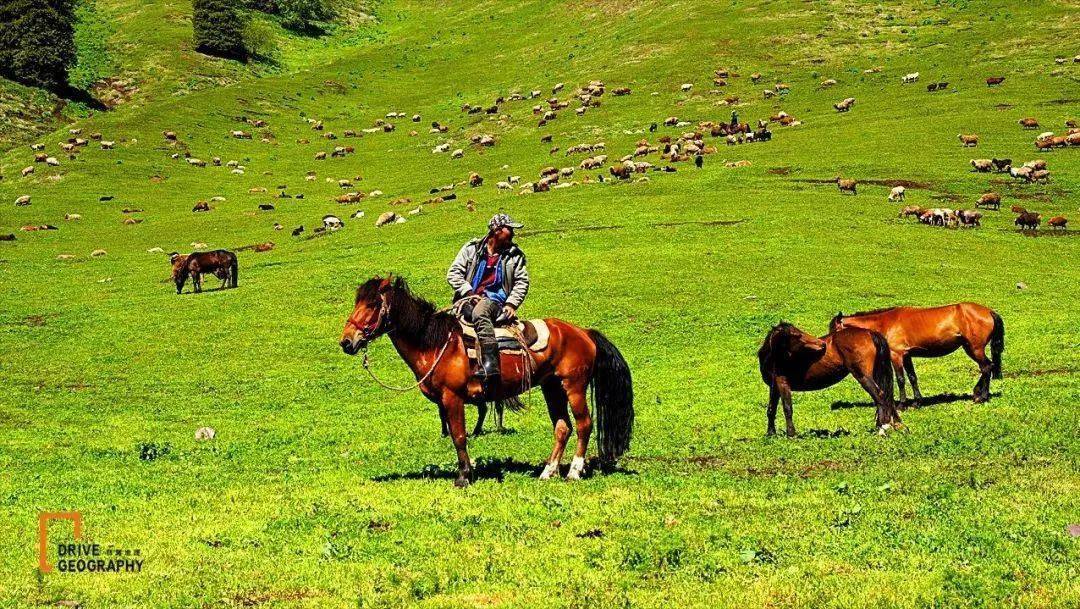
(529, 334)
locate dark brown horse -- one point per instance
(792, 360)
(221, 263)
(432, 345)
(934, 332)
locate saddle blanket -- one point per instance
(534, 332)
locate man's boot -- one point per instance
(489, 366)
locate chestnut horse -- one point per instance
(792, 360)
(934, 332)
(432, 345)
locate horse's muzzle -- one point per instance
(350, 347)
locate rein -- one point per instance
(427, 375)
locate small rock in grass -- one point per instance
(205, 433)
(1021, 286)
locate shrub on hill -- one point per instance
(37, 41)
(219, 28)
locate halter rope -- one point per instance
(427, 375)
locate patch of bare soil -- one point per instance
(698, 222)
(575, 229)
(779, 171)
(1012, 374)
(909, 184)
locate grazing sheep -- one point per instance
(296, 231)
(989, 200)
(169, 135)
(23, 201)
(621, 91)
(846, 185)
(440, 148)
(910, 78)
(107, 144)
(201, 206)
(241, 135)
(982, 165)
(320, 156)
(845, 104)
(72, 217)
(1059, 222)
(457, 154)
(1029, 220)
(1040, 175)
(969, 217)
(1073, 139)
(828, 83)
(686, 87)
(52, 162)
(968, 140)
(196, 162)
(332, 222)
(897, 194)
(1022, 173)
(475, 179)
(1016, 209)
(503, 185)
(1045, 135)
(911, 210)
(1044, 144)
(1028, 123)
(266, 207)
(1001, 165)
(29, 169)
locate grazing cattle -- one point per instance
(994, 80)
(910, 78)
(897, 194)
(1028, 123)
(201, 206)
(846, 185)
(221, 263)
(1029, 220)
(989, 200)
(845, 104)
(982, 165)
(1059, 222)
(968, 140)
(969, 217)
(1001, 165)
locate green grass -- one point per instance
(323, 490)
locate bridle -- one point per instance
(370, 332)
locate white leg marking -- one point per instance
(577, 467)
(549, 470)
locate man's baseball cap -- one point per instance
(501, 220)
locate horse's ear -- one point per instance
(384, 285)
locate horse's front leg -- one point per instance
(774, 400)
(909, 366)
(455, 414)
(898, 373)
(785, 397)
(886, 411)
(481, 410)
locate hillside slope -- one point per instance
(322, 489)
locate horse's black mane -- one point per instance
(410, 315)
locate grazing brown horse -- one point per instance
(934, 332)
(792, 360)
(432, 345)
(221, 263)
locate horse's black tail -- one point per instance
(234, 268)
(997, 344)
(883, 368)
(613, 399)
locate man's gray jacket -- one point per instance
(515, 275)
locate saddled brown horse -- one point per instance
(220, 263)
(792, 360)
(431, 344)
(934, 332)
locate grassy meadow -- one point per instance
(323, 490)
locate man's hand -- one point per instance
(509, 312)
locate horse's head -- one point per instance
(784, 343)
(837, 322)
(179, 270)
(370, 316)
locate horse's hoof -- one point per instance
(577, 467)
(884, 429)
(549, 470)
(461, 482)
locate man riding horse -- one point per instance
(491, 273)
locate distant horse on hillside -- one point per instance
(221, 263)
(432, 344)
(792, 360)
(934, 332)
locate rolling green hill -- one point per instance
(323, 490)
